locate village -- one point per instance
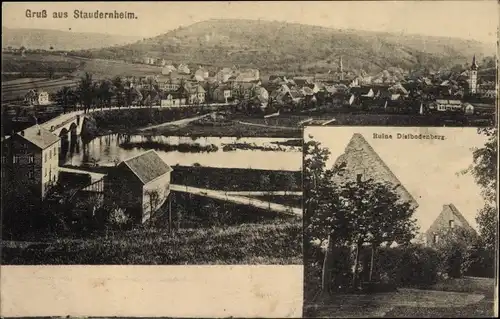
(468, 92)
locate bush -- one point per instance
(411, 266)
(457, 251)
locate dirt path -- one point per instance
(267, 126)
(174, 123)
(221, 195)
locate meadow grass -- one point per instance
(266, 243)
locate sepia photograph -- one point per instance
(399, 222)
(183, 135)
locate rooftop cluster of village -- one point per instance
(391, 90)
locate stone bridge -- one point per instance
(66, 125)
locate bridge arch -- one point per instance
(73, 129)
(63, 133)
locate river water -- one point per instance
(109, 149)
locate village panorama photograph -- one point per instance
(399, 222)
(174, 135)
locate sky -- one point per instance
(476, 20)
(427, 168)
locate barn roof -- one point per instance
(147, 166)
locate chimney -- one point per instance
(22, 133)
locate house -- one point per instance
(243, 90)
(221, 94)
(172, 81)
(195, 93)
(261, 96)
(224, 75)
(247, 75)
(468, 108)
(31, 158)
(356, 82)
(489, 94)
(150, 60)
(449, 218)
(183, 69)
(35, 97)
(201, 74)
(278, 79)
(307, 91)
(302, 81)
(447, 105)
(167, 69)
(281, 95)
(173, 99)
(139, 185)
(296, 96)
(359, 94)
(399, 89)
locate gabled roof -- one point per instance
(330, 89)
(147, 166)
(296, 94)
(453, 209)
(360, 90)
(358, 142)
(307, 90)
(39, 136)
(301, 81)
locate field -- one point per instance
(466, 297)
(44, 65)
(242, 244)
(17, 89)
(38, 63)
(101, 68)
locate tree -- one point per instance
(456, 249)
(65, 98)
(317, 187)
(104, 93)
(119, 89)
(484, 170)
(349, 213)
(154, 200)
(86, 91)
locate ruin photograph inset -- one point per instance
(398, 221)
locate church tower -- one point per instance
(473, 76)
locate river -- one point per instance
(110, 149)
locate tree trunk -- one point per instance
(371, 262)
(326, 276)
(355, 270)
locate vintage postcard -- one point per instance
(153, 152)
(399, 221)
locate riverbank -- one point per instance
(132, 120)
(234, 129)
(148, 122)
